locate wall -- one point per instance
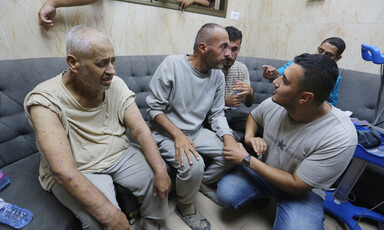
(272, 28)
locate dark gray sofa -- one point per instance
(19, 157)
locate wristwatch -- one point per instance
(245, 161)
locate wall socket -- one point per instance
(235, 16)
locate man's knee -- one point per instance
(302, 222)
(225, 193)
(190, 171)
(295, 215)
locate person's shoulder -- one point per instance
(175, 57)
(239, 64)
(269, 105)
(50, 84)
(343, 120)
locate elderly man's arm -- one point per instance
(142, 134)
(48, 11)
(56, 148)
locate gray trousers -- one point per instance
(189, 177)
(130, 171)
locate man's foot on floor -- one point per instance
(150, 224)
(210, 192)
(194, 220)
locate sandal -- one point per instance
(193, 221)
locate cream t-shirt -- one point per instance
(96, 135)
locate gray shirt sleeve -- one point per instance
(216, 116)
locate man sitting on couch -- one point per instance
(307, 144)
(80, 118)
(236, 80)
(185, 90)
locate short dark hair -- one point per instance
(205, 34)
(338, 42)
(234, 34)
(320, 75)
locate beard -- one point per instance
(228, 63)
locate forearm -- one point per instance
(251, 128)
(202, 3)
(229, 141)
(150, 149)
(290, 183)
(167, 125)
(249, 99)
(52, 139)
(84, 192)
(66, 3)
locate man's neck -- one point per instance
(225, 70)
(86, 97)
(306, 114)
(197, 63)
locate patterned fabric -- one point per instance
(238, 71)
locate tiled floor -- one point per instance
(246, 218)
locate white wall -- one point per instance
(272, 28)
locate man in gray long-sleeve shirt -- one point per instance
(185, 90)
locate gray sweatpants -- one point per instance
(130, 171)
(189, 177)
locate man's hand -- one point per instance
(243, 87)
(232, 100)
(118, 221)
(184, 145)
(46, 15)
(258, 144)
(161, 184)
(269, 72)
(235, 154)
(184, 4)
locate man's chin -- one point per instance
(227, 65)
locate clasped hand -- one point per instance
(258, 144)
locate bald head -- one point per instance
(80, 39)
(205, 34)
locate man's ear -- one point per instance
(73, 63)
(306, 97)
(337, 58)
(203, 47)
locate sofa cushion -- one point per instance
(358, 93)
(25, 191)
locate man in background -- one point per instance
(332, 47)
(237, 85)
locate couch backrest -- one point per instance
(358, 93)
(137, 72)
(18, 77)
(262, 88)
